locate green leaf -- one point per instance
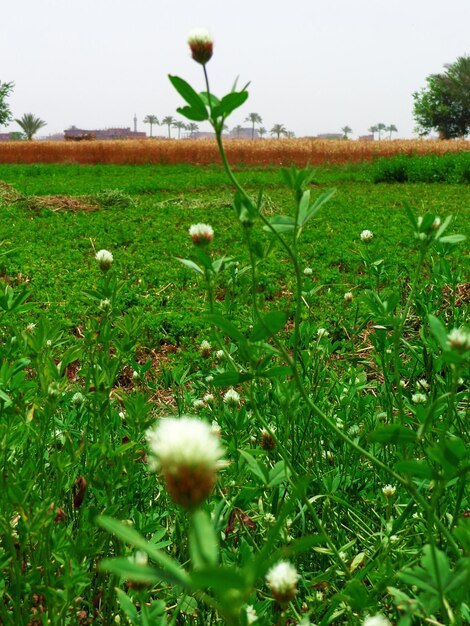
(219, 579)
(126, 605)
(192, 114)
(229, 103)
(256, 468)
(280, 223)
(192, 98)
(227, 379)
(124, 568)
(438, 330)
(307, 211)
(169, 569)
(271, 323)
(227, 327)
(278, 474)
(203, 545)
(280, 371)
(191, 265)
(393, 433)
(452, 239)
(419, 469)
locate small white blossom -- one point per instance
(139, 558)
(198, 405)
(322, 332)
(188, 454)
(201, 234)
(251, 616)
(348, 296)
(205, 349)
(389, 491)
(423, 384)
(269, 519)
(419, 398)
(104, 258)
(78, 398)
(209, 378)
(459, 339)
(209, 398)
(215, 428)
(367, 235)
(282, 580)
(232, 398)
(376, 620)
(220, 355)
(308, 271)
(201, 44)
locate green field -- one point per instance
(344, 421)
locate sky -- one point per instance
(314, 65)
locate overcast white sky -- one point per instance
(314, 65)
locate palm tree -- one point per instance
(237, 130)
(254, 118)
(278, 130)
(262, 131)
(391, 129)
(346, 130)
(193, 128)
(168, 121)
(151, 119)
(373, 130)
(380, 128)
(30, 125)
(180, 126)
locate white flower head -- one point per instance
(348, 296)
(419, 398)
(198, 405)
(367, 235)
(139, 558)
(201, 44)
(105, 259)
(209, 398)
(308, 271)
(376, 620)
(282, 580)
(201, 234)
(188, 454)
(232, 398)
(78, 398)
(322, 332)
(422, 384)
(389, 491)
(205, 349)
(458, 339)
(251, 616)
(220, 355)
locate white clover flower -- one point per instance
(105, 304)
(215, 429)
(419, 398)
(308, 271)
(348, 296)
(423, 384)
(376, 620)
(220, 355)
(232, 398)
(53, 391)
(251, 616)
(189, 455)
(30, 327)
(198, 405)
(78, 398)
(459, 339)
(104, 258)
(269, 519)
(389, 491)
(205, 349)
(354, 430)
(209, 398)
(135, 375)
(367, 235)
(322, 332)
(437, 222)
(139, 558)
(403, 383)
(201, 44)
(282, 580)
(209, 378)
(201, 234)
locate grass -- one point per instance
(91, 359)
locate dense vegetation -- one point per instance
(335, 379)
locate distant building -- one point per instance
(366, 138)
(80, 134)
(330, 136)
(242, 133)
(4, 136)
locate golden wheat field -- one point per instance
(203, 152)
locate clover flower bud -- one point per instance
(201, 234)
(205, 349)
(201, 45)
(389, 491)
(188, 455)
(105, 259)
(367, 235)
(458, 339)
(232, 398)
(348, 296)
(267, 441)
(282, 580)
(198, 405)
(322, 332)
(251, 616)
(78, 398)
(308, 271)
(419, 398)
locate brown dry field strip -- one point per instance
(203, 152)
